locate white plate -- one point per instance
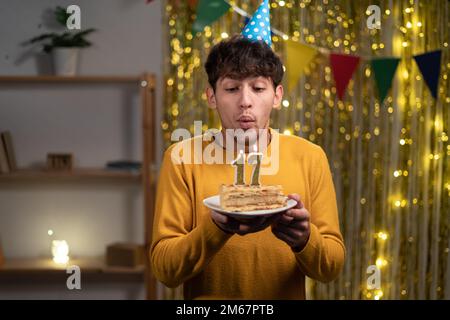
(214, 204)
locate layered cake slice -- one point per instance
(240, 198)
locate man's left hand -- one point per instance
(293, 226)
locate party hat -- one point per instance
(258, 28)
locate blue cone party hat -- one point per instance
(258, 28)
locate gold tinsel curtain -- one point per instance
(390, 160)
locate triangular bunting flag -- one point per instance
(298, 57)
(430, 66)
(384, 70)
(192, 4)
(258, 28)
(343, 67)
(209, 11)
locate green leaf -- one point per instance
(47, 48)
(61, 15)
(40, 38)
(84, 33)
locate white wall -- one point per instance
(96, 122)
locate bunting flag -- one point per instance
(343, 67)
(258, 28)
(298, 56)
(384, 70)
(192, 4)
(209, 11)
(430, 65)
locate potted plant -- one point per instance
(65, 46)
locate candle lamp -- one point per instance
(60, 251)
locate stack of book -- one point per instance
(7, 156)
(126, 165)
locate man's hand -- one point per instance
(242, 226)
(293, 225)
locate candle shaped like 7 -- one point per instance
(254, 158)
(239, 171)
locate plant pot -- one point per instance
(65, 61)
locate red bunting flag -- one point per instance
(343, 67)
(192, 4)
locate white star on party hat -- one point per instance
(258, 28)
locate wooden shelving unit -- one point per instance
(76, 174)
(95, 268)
(92, 267)
(67, 79)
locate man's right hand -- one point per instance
(242, 226)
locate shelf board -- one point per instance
(45, 267)
(79, 173)
(70, 79)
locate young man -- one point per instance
(216, 256)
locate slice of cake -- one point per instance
(240, 198)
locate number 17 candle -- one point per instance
(254, 158)
(239, 172)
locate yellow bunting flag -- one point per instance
(298, 57)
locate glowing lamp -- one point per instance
(60, 251)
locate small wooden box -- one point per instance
(59, 161)
(125, 254)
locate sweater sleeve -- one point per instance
(179, 251)
(323, 256)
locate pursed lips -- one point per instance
(246, 121)
(246, 118)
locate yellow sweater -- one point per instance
(187, 246)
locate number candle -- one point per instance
(239, 164)
(254, 158)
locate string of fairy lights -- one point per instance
(389, 158)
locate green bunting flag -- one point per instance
(209, 11)
(384, 70)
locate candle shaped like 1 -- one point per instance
(254, 158)
(239, 172)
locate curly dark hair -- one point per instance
(239, 58)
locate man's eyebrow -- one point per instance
(229, 80)
(260, 79)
